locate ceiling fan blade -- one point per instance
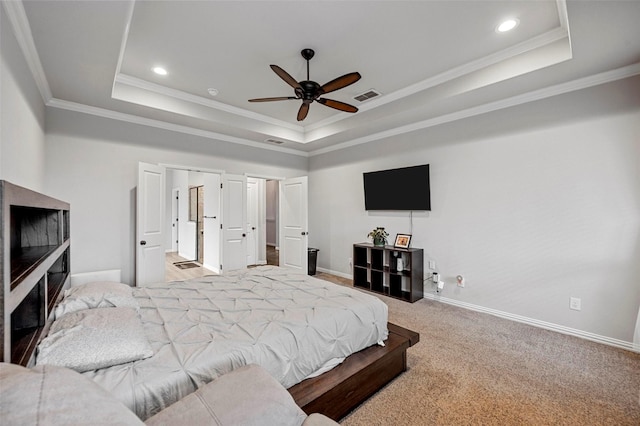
(281, 98)
(285, 76)
(303, 111)
(337, 105)
(340, 82)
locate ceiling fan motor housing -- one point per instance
(310, 90)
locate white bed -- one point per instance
(291, 324)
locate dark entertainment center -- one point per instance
(375, 269)
(34, 268)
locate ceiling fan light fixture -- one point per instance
(507, 25)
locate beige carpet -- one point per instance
(476, 369)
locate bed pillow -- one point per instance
(99, 294)
(95, 338)
(49, 395)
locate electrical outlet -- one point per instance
(432, 265)
(575, 303)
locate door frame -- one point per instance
(263, 211)
(222, 172)
(175, 215)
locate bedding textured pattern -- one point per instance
(290, 324)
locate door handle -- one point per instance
(143, 243)
(253, 228)
(209, 217)
(304, 233)
(244, 235)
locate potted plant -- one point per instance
(379, 236)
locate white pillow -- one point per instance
(49, 395)
(99, 294)
(95, 338)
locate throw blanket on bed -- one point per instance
(291, 324)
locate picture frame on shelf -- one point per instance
(402, 241)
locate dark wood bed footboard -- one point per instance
(337, 392)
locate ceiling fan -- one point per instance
(309, 91)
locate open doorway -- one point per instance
(195, 242)
(262, 221)
(272, 222)
(154, 221)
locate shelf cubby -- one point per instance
(380, 273)
(35, 253)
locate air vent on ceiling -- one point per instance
(277, 142)
(369, 94)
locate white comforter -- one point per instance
(291, 324)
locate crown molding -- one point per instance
(149, 122)
(199, 100)
(465, 69)
(22, 31)
(558, 89)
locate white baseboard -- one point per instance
(329, 271)
(537, 323)
(114, 275)
(630, 346)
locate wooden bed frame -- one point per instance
(337, 392)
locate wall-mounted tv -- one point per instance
(406, 188)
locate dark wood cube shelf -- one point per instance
(375, 269)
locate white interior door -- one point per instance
(234, 221)
(252, 221)
(294, 207)
(212, 222)
(150, 232)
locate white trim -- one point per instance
(123, 44)
(191, 168)
(337, 273)
(537, 323)
(459, 71)
(199, 100)
(143, 121)
(265, 177)
(535, 95)
(630, 346)
(22, 31)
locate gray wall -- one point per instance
(92, 163)
(532, 205)
(21, 116)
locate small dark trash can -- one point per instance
(312, 258)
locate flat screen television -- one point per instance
(406, 188)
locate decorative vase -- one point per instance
(378, 241)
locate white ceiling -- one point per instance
(433, 61)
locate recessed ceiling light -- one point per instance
(507, 25)
(212, 91)
(160, 70)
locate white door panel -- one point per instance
(211, 218)
(294, 223)
(150, 232)
(234, 220)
